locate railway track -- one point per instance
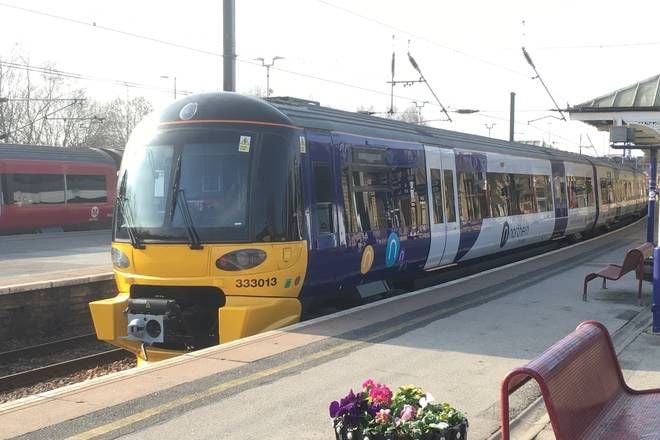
(41, 374)
(10, 356)
(33, 376)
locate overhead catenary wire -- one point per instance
(189, 48)
(420, 37)
(85, 77)
(416, 66)
(538, 76)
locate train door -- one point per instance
(321, 190)
(445, 231)
(560, 198)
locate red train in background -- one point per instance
(44, 187)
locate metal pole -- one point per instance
(512, 112)
(655, 308)
(229, 45)
(175, 88)
(650, 227)
(268, 78)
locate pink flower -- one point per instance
(408, 413)
(382, 416)
(367, 384)
(380, 395)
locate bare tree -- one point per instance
(118, 118)
(39, 106)
(32, 105)
(410, 114)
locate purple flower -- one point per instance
(408, 413)
(351, 408)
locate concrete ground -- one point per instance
(457, 341)
(27, 257)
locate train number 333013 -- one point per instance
(257, 282)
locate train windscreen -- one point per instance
(218, 185)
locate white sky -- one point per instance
(469, 51)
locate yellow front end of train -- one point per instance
(209, 243)
(258, 299)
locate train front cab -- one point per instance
(208, 241)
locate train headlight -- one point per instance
(241, 259)
(119, 258)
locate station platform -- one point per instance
(456, 340)
(29, 258)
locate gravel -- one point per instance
(77, 377)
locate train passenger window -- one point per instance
(472, 197)
(324, 216)
(371, 211)
(590, 191)
(560, 190)
(542, 191)
(86, 189)
(500, 194)
(449, 196)
(606, 190)
(323, 184)
(436, 192)
(578, 192)
(524, 192)
(323, 189)
(33, 189)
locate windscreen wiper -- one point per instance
(195, 242)
(176, 176)
(125, 210)
(178, 197)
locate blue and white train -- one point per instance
(234, 213)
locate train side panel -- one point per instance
(505, 202)
(368, 214)
(581, 197)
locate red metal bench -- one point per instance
(584, 390)
(634, 260)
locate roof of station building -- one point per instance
(636, 106)
(640, 96)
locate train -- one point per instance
(53, 188)
(234, 214)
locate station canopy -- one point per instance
(636, 106)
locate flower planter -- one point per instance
(458, 432)
(375, 413)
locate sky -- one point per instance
(338, 52)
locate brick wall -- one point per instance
(50, 310)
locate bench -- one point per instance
(634, 260)
(584, 391)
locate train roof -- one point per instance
(229, 106)
(44, 152)
(310, 114)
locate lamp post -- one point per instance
(174, 78)
(268, 66)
